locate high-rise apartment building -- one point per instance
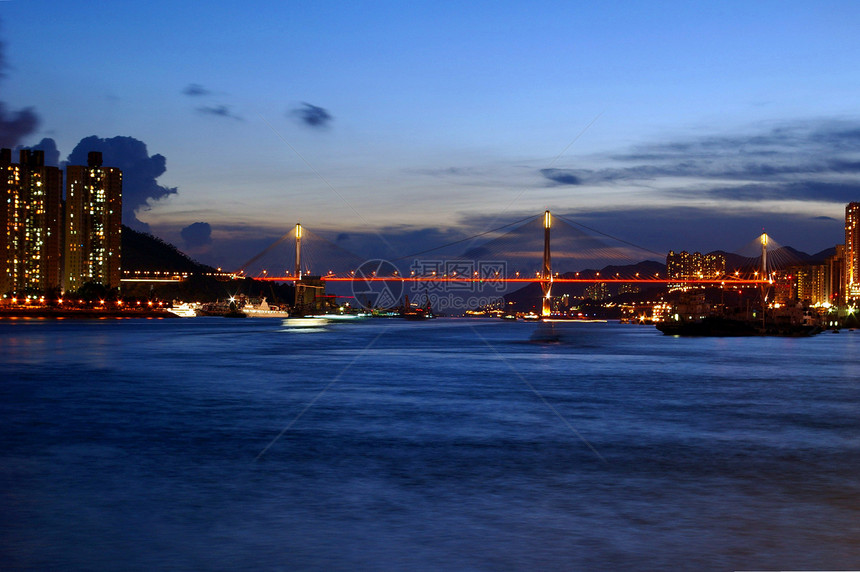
(852, 250)
(93, 224)
(697, 265)
(810, 283)
(30, 223)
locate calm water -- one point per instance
(451, 444)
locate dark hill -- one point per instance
(144, 252)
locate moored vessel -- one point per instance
(264, 310)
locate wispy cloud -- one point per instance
(196, 90)
(219, 111)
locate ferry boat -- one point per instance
(184, 309)
(264, 310)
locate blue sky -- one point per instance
(674, 125)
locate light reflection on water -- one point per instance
(131, 444)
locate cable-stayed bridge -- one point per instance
(544, 249)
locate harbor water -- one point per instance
(456, 444)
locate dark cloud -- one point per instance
(312, 116)
(197, 234)
(561, 176)
(139, 172)
(49, 146)
(195, 90)
(15, 125)
(218, 111)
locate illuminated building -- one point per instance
(30, 228)
(686, 266)
(93, 224)
(834, 278)
(811, 283)
(597, 291)
(852, 250)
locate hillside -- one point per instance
(144, 252)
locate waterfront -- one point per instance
(446, 444)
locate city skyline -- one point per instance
(678, 127)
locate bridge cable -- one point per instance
(661, 254)
(265, 252)
(465, 239)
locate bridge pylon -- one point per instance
(298, 282)
(546, 272)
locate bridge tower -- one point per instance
(298, 282)
(546, 272)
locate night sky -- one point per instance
(673, 125)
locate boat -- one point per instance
(418, 314)
(410, 312)
(700, 319)
(715, 326)
(264, 310)
(184, 309)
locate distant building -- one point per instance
(852, 250)
(686, 266)
(30, 223)
(93, 224)
(597, 291)
(811, 283)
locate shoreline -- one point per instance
(81, 313)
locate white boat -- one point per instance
(184, 310)
(264, 310)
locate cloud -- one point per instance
(197, 234)
(16, 125)
(218, 111)
(811, 160)
(312, 116)
(139, 172)
(195, 90)
(49, 146)
(808, 190)
(561, 176)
